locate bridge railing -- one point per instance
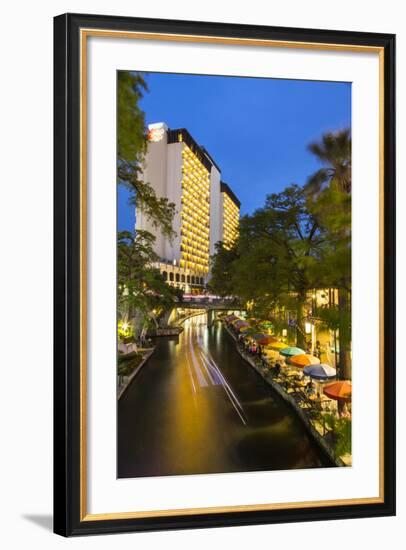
(211, 303)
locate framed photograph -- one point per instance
(224, 274)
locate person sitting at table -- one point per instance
(277, 369)
(309, 388)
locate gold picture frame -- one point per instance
(71, 40)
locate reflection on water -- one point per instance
(198, 407)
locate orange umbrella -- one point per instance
(340, 390)
(265, 340)
(303, 360)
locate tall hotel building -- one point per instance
(207, 211)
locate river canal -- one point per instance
(197, 407)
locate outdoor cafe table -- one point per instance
(322, 400)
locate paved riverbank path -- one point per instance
(198, 407)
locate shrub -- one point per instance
(341, 428)
(127, 364)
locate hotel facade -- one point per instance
(207, 210)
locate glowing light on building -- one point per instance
(206, 209)
(156, 132)
(231, 216)
(195, 213)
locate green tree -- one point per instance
(300, 240)
(141, 287)
(131, 148)
(222, 263)
(275, 248)
(334, 152)
(329, 200)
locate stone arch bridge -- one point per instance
(211, 305)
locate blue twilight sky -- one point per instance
(256, 129)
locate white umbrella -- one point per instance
(320, 372)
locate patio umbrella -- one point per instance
(303, 360)
(278, 345)
(265, 340)
(247, 330)
(230, 318)
(240, 325)
(320, 372)
(290, 351)
(340, 391)
(236, 320)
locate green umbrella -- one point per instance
(291, 351)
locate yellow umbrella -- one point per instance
(278, 345)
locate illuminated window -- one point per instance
(231, 214)
(195, 213)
